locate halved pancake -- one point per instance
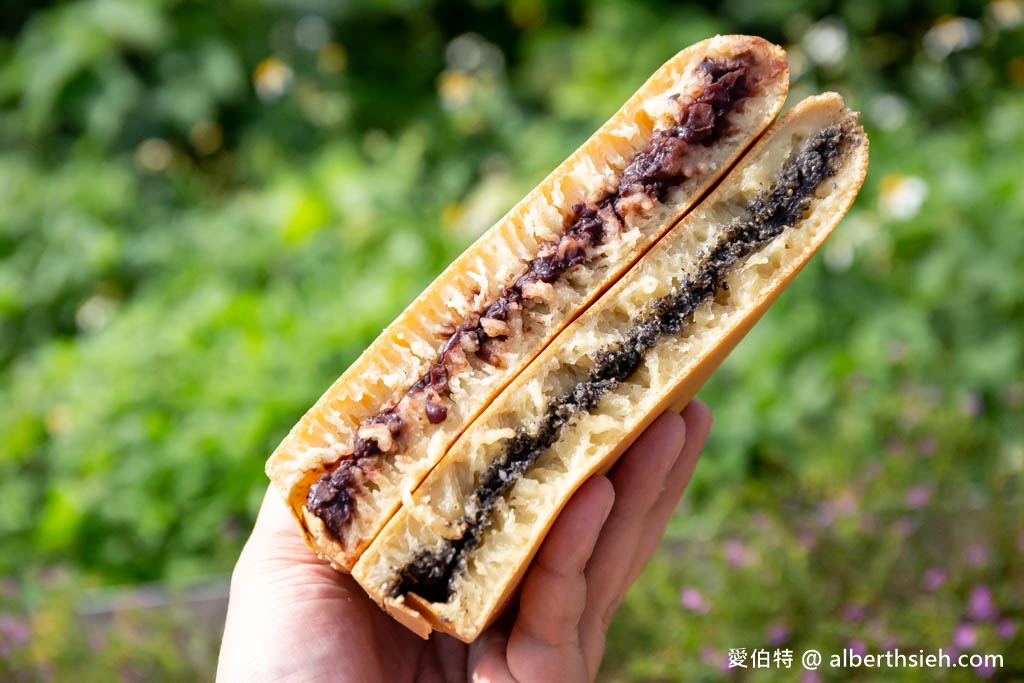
(372, 437)
(454, 554)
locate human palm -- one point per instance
(291, 617)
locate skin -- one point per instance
(293, 618)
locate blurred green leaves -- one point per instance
(210, 208)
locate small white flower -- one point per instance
(950, 34)
(901, 197)
(825, 42)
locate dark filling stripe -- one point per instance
(662, 164)
(432, 572)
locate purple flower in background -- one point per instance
(712, 657)
(847, 503)
(778, 633)
(890, 643)
(693, 600)
(735, 552)
(854, 612)
(873, 469)
(933, 578)
(1006, 629)
(13, 629)
(130, 674)
(807, 539)
(985, 670)
(980, 605)
(918, 496)
(904, 526)
(826, 514)
(964, 636)
(54, 576)
(926, 446)
(844, 505)
(810, 677)
(972, 404)
(977, 554)
(857, 646)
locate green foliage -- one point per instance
(211, 208)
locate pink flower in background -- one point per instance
(972, 404)
(847, 503)
(779, 633)
(890, 643)
(735, 553)
(843, 505)
(854, 612)
(711, 656)
(857, 646)
(1006, 629)
(826, 514)
(985, 671)
(693, 600)
(918, 496)
(807, 538)
(926, 446)
(964, 636)
(933, 578)
(980, 605)
(54, 576)
(904, 526)
(13, 629)
(810, 677)
(977, 554)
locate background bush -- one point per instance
(210, 208)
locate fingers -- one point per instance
(544, 643)
(288, 613)
(276, 546)
(648, 480)
(276, 529)
(698, 425)
(638, 478)
(488, 660)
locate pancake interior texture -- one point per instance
(368, 442)
(453, 557)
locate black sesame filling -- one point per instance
(662, 164)
(432, 572)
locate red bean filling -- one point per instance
(662, 164)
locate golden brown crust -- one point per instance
(669, 378)
(405, 349)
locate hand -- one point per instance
(293, 618)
